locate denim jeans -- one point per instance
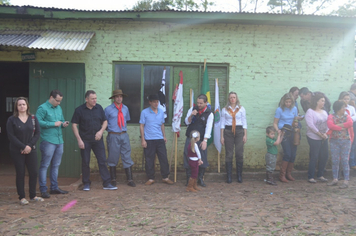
(352, 158)
(340, 151)
(318, 153)
(289, 149)
(99, 151)
(51, 155)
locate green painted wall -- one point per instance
(265, 61)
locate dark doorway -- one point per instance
(14, 82)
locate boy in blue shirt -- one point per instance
(272, 151)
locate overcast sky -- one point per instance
(221, 5)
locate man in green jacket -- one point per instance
(50, 117)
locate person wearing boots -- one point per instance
(286, 117)
(271, 156)
(92, 122)
(118, 140)
(199, 118)
(233, 135)
(194, 161)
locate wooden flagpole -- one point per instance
(217, 80)
(204, 64)
(175, 157)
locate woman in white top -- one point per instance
(350, 110)
(233, 134)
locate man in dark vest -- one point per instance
(199, 118)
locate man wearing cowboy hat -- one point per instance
(118, 140)
(92, 122)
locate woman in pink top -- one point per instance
(317, 138)
(341, 137)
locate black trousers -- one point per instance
(22, 161)
(157, 146)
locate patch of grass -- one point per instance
(38, 226)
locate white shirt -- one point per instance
(240, 117)
(209, 123)
(196, 148)
(352, 111)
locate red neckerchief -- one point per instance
(120, 116)
(233, 114)
(201, 111)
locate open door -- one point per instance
(69, 78)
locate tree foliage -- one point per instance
(298, 6)
(172, 4)
(349, 9)
(7, 2)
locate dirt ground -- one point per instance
(250, 208)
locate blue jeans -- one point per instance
(99, 151)
(51, 154)
(289, 149)
(352, 160)
(318, 152)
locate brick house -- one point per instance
(259, 56)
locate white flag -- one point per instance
(217, 142)
(162, 94)
(178, 105)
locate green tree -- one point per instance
(186, 5)
(349, 9)
(146, 5)
(298, 6)
(5, 2)
(205, 4)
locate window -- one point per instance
(138, 80)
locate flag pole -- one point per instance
(204, 64)
(175, 157)
(170, 160)
(217, 80)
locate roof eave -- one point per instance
(180, 17)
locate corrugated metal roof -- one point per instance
(167, 10)
(54, 40)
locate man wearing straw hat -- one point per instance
(153, 140)
(118, 140)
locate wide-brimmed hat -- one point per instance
(117, 92)
(153, 97)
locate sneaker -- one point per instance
(167, 181)
(37, 199)
(23, 201)
(45, 195)
(313, 181)
(86, 187)
(109, 187)
(322, 179)
(332, 183)
(345, 184)
(149, 182)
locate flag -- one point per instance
(162, 95)
(178, 105)
(192, 99)
(205, 89)
(217, 137)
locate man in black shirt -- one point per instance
(92, 122)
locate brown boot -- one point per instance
(190, 186)
(195, 185)
(282, 173)
(289, 171)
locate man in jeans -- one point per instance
(51, 120)
(92, 122)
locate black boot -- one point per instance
(239, 166)
(128, 172)
(228, 166)
(188, 172)
(113, 175)
(201, 177)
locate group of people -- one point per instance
(322, 130)
(90, 120)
